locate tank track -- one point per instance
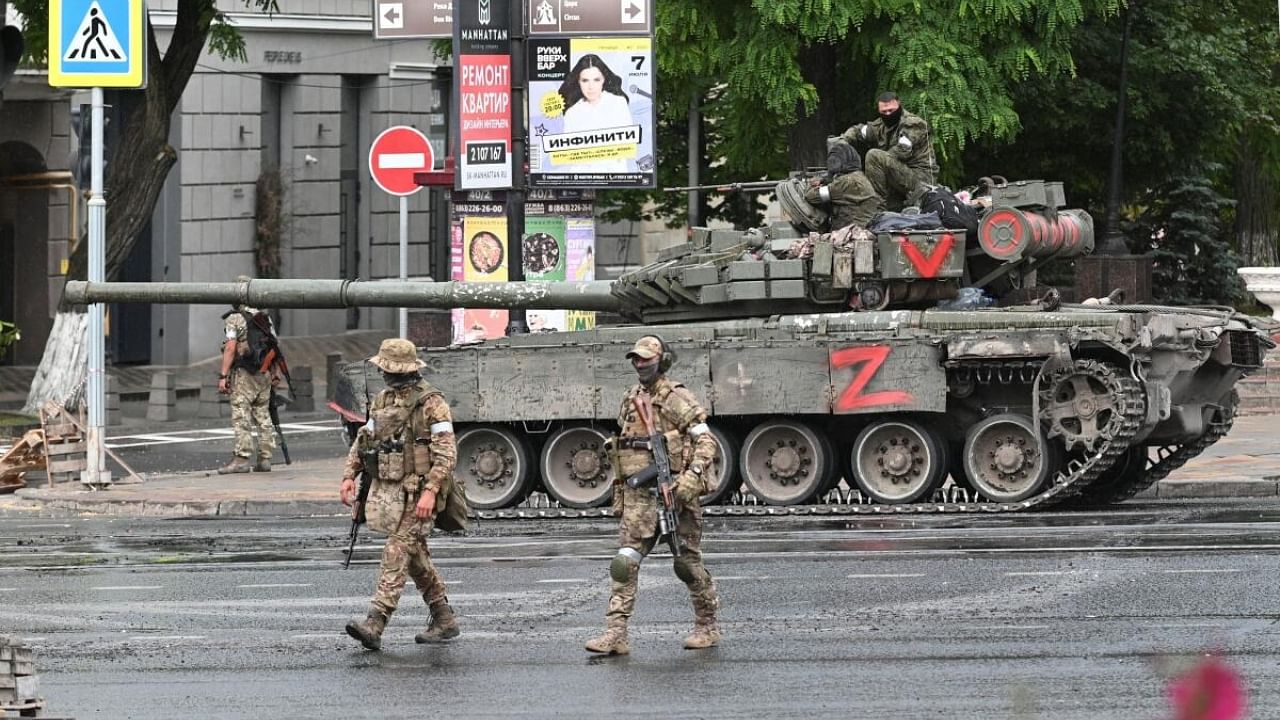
(1172, 457)
(1076, 475)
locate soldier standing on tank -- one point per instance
(677, 415)
(411, 429)
(900, 163)
(845, 189)
(250, 391)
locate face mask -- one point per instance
(891, 118)
(648, 373)
(399, 380)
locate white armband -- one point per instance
(824, 193)
(699, 429)
(231, 334)
(905, 142)
(863, 132)
(441, 427)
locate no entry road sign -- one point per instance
(396, 154)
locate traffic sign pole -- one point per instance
(96, 471)
(404, 260)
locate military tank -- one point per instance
(829, 369)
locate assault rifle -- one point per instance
(273, 409)
(274, 360)
(658, 475)
(751, 185)
(369, 461)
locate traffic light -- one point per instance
(81, 160)
(11, 45)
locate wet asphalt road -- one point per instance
(1042, 616)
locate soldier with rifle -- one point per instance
(249, 373)
(663, 461)
(407, 453)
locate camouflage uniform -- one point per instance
(897, 170)
(678, 415)
(412, 430)
(250, 395)
(846, 189)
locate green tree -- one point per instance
(134, 179)
(1202, 102)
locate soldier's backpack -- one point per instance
(263, 345)
(451, 502)
(953, 214)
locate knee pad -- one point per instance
(626, 561)
(685, 570)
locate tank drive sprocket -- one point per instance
(1083, 403)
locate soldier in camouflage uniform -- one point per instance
(250, 392)
(678, 415)
(412, 430)
(845, 189)
(900, 164)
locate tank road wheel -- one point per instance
(724, 479)
(784, 462)
(898, 461)
(1003, 461)
(494, 466)
(575, 467)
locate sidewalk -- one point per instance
(1244, 464)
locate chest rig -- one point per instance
(401, 454)
(634, 453)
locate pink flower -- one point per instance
(1212, 690)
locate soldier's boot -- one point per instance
(706, 633)
(369, 630)
(612, 642)
(263, 465)
(444, 625)
(237, 465)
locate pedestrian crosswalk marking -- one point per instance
(95, 39)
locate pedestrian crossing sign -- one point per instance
(97, 43)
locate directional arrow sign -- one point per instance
(396, 154)
(590, 17)
(396, 19)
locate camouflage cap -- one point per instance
(646, 348)
(397, 355)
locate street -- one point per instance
(1052, 615)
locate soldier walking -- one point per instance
(242, 376)
(682, 420)
(411, 430)
(900, 163)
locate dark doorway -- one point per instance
(8, 285)
(129, 342)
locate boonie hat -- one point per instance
(647, 348)
(397, 355)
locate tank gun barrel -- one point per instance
(592, 295)
(757, 186)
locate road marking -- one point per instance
(564, 580)
(275, 585)
(1005, 627)
(128, 587)
(189, 436)
(167, 637)
(325, 636)
(7, 589)
(1037, 573)
(1197, 571)
(864, 576)
(39, 526)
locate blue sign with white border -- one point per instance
(97, 43)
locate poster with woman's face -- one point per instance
(591, 121)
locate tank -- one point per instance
(843, 368)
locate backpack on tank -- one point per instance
(954, 214)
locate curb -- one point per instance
(99, 503)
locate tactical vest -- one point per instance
(394, 434)
(669, 415)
